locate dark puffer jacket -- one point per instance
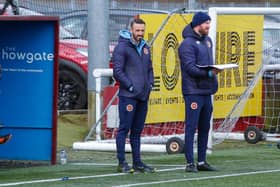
(132, 67)
(196, 50)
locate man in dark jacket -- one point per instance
(132, 67)
(198, 84)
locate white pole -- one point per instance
(98, 74)
(100, 146)
(212, 13)
(98, 107)
(244, 10)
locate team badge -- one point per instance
(194, 105)
(146, 51)
(129, 107)
(208, 44)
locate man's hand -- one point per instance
(216, 71)
(213, 71)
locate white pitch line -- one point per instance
(92, 164)
(113, 164)
(199, 178)
(77, 178)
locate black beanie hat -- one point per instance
(200, 18)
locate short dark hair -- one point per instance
(137, 21)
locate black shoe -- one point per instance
(191, 168)
(205, 167)
(125, 168)
(143, 168)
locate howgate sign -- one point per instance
(12, 54)
(28, 87)
(239, 40)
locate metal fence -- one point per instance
(73, 53)
(62, 6)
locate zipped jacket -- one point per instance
(132, 67)
(193, 51)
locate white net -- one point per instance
(247, 96)
(256, 104)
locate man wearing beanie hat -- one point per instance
(199, 18)
(198, 84)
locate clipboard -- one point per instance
(218, 66)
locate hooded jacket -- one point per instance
(132, 67)
(196, 50)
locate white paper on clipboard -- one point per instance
(218, 66)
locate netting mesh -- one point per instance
(248, 96)
(263, 85)
(238, 41)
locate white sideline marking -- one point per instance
(77, 178)
(199, 178)
(114, 164)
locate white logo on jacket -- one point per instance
(208, 44)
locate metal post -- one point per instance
(191, 5)
(213, 13)
(98, 48)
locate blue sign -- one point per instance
(27, 93)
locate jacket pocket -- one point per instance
(205, 83)
(138, 88)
